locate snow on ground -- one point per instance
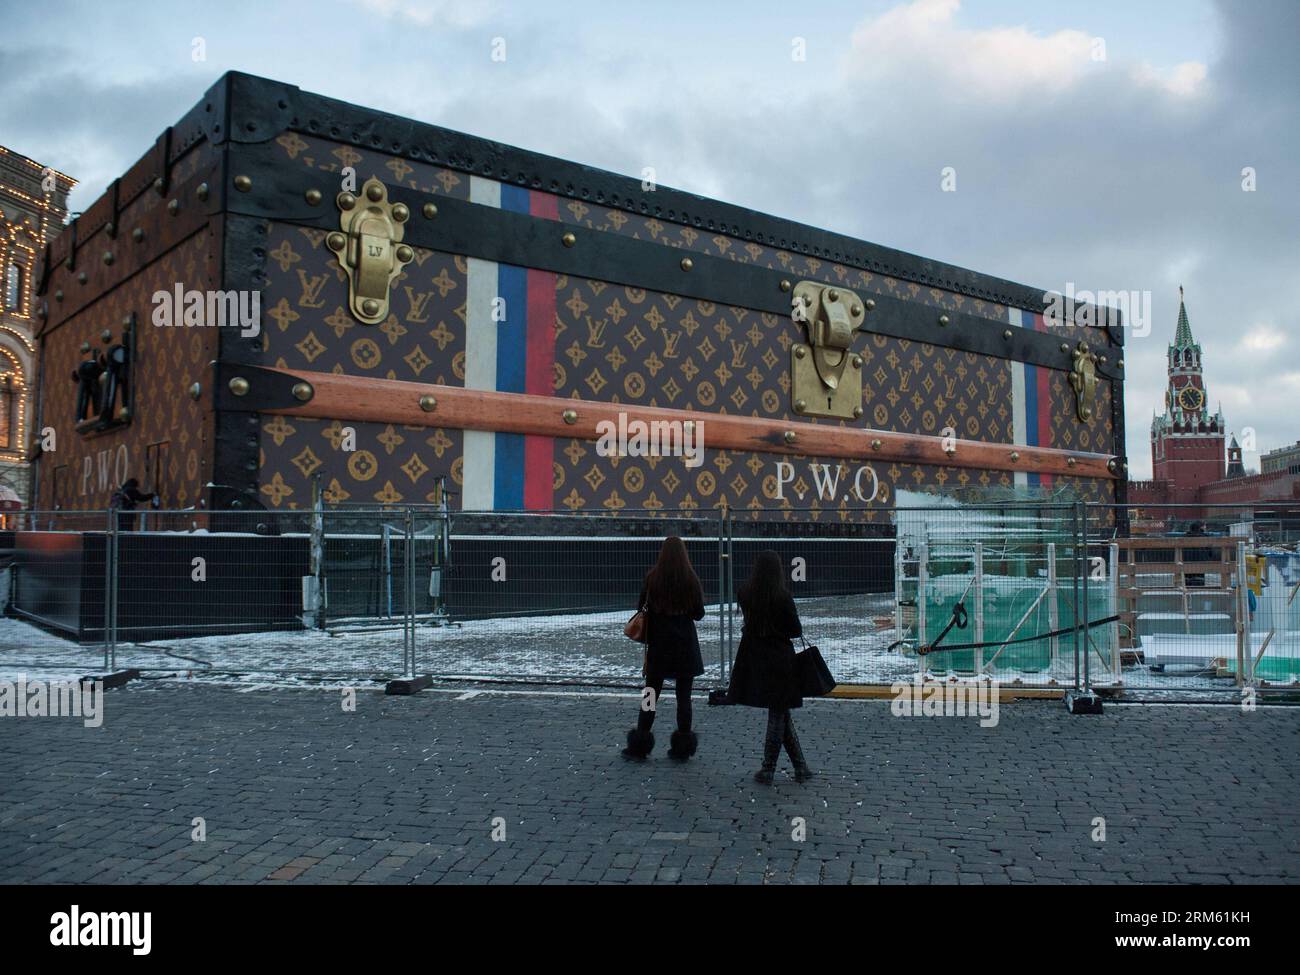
(579, 647)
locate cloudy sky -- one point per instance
(1099, 142)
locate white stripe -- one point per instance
(1019, 426)
(478, 470)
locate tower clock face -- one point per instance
(1190, 398)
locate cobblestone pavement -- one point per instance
(292, 788)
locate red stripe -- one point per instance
(539, 366)
(1044, 404)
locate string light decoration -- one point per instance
(26, 222)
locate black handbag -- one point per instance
(815, 678)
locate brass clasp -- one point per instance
(369, 248)
(1083, 379)
(826, 376)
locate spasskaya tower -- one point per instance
(1187, 440)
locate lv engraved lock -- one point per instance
(369, 248)
(826, 374)
(1083, 380)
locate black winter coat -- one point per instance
(764, 671)
(672, 645)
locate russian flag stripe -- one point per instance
(478, 466)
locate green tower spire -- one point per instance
(1183, 336)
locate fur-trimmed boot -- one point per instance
(683, 745)
(802, 773)
(639, 743)
(771, 746)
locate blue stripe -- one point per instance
(1031, 417)
(512, 335)
(1031, 402)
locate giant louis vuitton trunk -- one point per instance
(437, 309)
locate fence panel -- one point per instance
(977, 588)
(545, 595)
(1207, 597)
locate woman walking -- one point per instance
(764, 675)
(673, 600)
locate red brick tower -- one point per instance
(1187, 441)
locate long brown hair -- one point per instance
(672, 587)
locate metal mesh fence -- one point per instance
(545, 596)
(1202, 603)
(1208, 598)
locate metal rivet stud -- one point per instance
(202, 191)
(800, 405)
(313, 197)
(789, 436)
(346, 201)
(1065, 346)
(401, 212)
(856, 361)
(303, 392)
(857, 412)
(943, 320)
(243, 183)
(876, 444)
(58, 295)
(687, 264)
(405, 254)
(568, 240)
(871, 303)
(336, 241)
(137, 234)
(196, 390)
(1119, 364)
(1007, 335)
(570, 416)
(1015, 456)
(370, 307)
(785, 285)
(856, 310)
(1111, 465)
(428, 403)
(1069, 462)
(173, 207)
(82, 278)
(108, 257)
(374, 192)
(239, 386)
(800, 351)
(429, 210)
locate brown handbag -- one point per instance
(634, 629)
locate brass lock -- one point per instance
(369, 248)
(1083, 380)
(825, 373)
